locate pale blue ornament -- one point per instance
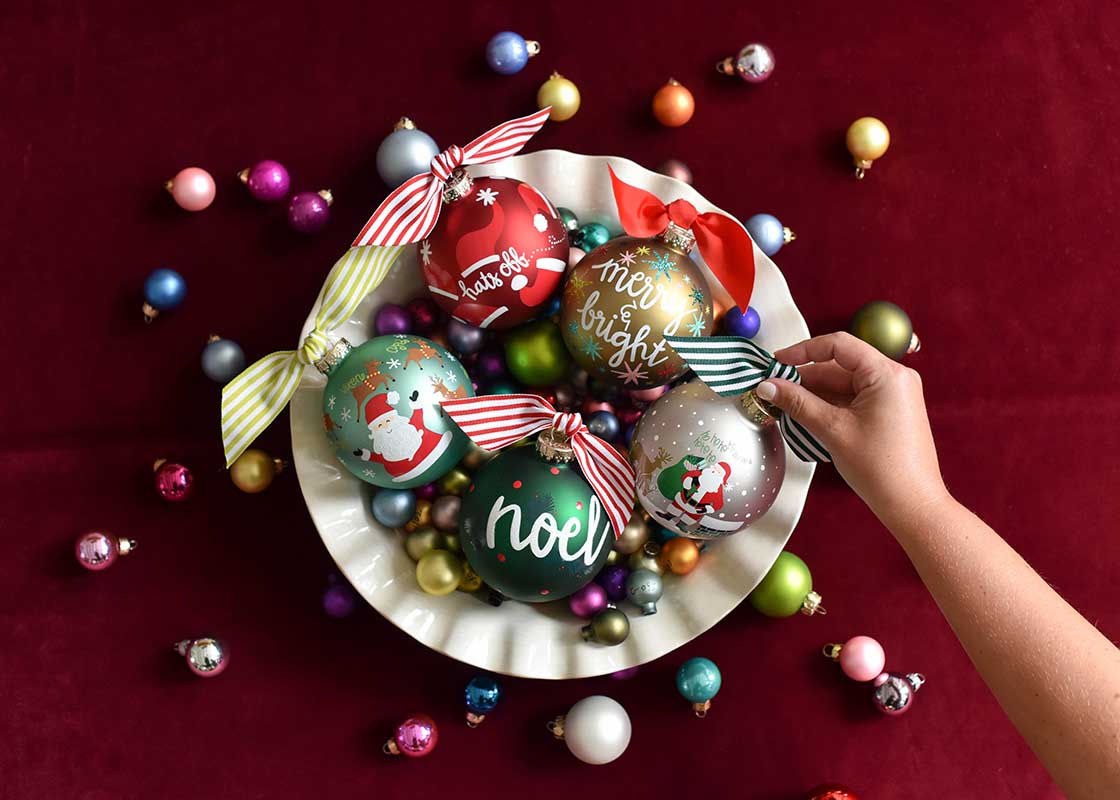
(404, 153)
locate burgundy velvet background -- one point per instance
(992, 219)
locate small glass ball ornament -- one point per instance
(738, 323)
(786, 589)
(425, 314)
(414, 738)
(268, 180)
(643, 588)
(867, 140)
(894, 693)
(605, 425)
(673, 104)
(482, 695)
(535, 353)
(675, 168)
(610, 627)
(405, 153)
(339, 599)
(754, 63)
(569, 218)
(222, 359)
(420, 542)
(174, 482)
(561, 94)
(309, 212)
(164, 290)
(464, 339)
(887, 328)
(635, 534)
(472, 581)
(591, 235)
(392, 319)
(861, 657)
(596, 729)
(613, 580)
(698, 681)
(193, 188)
(445, 513)
(456, 482)
(254, 470)
(679, 555)
(393, 508)
(831, 791)
(439, 572)
(98, 550)
(206, 656)
(507, 52)
(646, 558)
(588, 601)
(769, 233)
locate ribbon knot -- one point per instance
(731, 365)
(499, 421)
(315, 345)
(682, 212)
(447, 162)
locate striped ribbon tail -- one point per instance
(410, 212)
(732, 365)
(252, 400)
(499, 421)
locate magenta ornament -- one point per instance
(308, 212)
(625, 674)
(415, 737)
(339, 600)
(588, 601)
(425, 315)
(392, 319)
(174, 482)
(268, 180)
(98, 550)
(426, 492)
(894, 693)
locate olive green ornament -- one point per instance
(786, 589)
(419, 542)
(610, 627)
(887, 328)
(536, 354)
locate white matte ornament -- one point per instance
(597, 729)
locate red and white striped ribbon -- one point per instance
(497, 421)
(411, 211)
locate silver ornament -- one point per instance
(206, 656)
(222, 359)
(596, 729)
(894, 693)
(404, 153)
(707, 466)
(643, 588)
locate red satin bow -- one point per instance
(727, 249)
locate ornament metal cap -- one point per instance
(333, 357)
(125, 545)
(243, 175)
(556, 727)
(915, 344)
(532, 47)
(726, 66)
(327, 195)
(554, 445)
(390, 748)
(701, 709)
(678, 238)
(150, 312)
(404, 124)
(474, 720)
(758, 410)
(457, 186)
(812, 605)
(788, 235)
(832, 650)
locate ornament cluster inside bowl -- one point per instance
(543, 639)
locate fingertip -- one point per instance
(767, 390)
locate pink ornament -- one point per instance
(648, 395)
(192, 188)
(574, 256)
(174, 482)
(97, 550)
(591, 405)
(588, 601)
(426, 492)
(415, 737)
(861, 657)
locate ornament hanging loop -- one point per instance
(532, 47)
(812, 605)
(556, 727)
(832, 651)
(701, 709)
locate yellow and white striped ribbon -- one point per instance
(255, 397)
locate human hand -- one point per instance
(869, 412)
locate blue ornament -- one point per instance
(404, 153)
(769, 233)
(552, 308)
(164, 290)
(736, 323)
(463, 338)
(698, 681)
(605, 425)
(590, 236)
(508, 52)
(482, 695)
(222, 360)
(662, 535)
(393, 507)
(630, 433)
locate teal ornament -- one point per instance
(588, 237)
(532, 528)
(482, 695)
(381, 410)
(698, 681)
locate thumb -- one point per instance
(805, 407)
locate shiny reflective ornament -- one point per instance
(268, 180)
(404, 153)
(861, 657)
(97, 550)
(222, 359)
(707, 466)
(174, 482)
(754, 63)
(535, 353)
(643, 589)
(591, 235)
(415, 737)
(698, 681)
(309, 212)
(613, 580)
(588, 601)
(339, 599)
(679, 555)
(393, 508)
(456, 482)
(610, 627)
(422, 517)
(164, 289)
(561, 94)
(418, 543)
(254, 470)
(193, 188)
(831, 791)
(894, 693)
(739, 323)
(507, 52)
(634, 535)
(786, 589)
(769, 233)
(605, 425)
(445, 513)
(464, 339)
(596, 729)
(673, 104)
(439, 572)
(425, 314)
(206, 656)
(646, 558)
(569, 218)
(675, 168)
(392, 319)
(482, 695)
(471, 581)
(867, 140)
(887, 328)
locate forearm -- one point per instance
(1055, 675)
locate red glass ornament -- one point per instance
(496, 255)
(174, 482)
(831, 791)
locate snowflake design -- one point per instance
(697, 296)
(452, 378)
(573, 328)
(345, 415)
(400, 335)
(642, 251)
(662, 265)
(577, 285)
(696, 328)
(688, 279)
(426, 252)
(630, 374)
(627, 258)
(331, 402)
(369, 473)
(394, 363)
(591, 348)
(486, 197)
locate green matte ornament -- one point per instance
(887, 328)
(610, 627)
(786, 589)
(536, 354)
(381, 409)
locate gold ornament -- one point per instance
(887, 328)
(451, 542)
(646, 558)
(254, 470)
(456, 482)
(421, 518)
(439, 572)
(420, 542)
(475, 457)
(622, 300)
(615, 557)
(610, 627)
(470, 581)
(634, 535)
(867, 140)
(561, 94)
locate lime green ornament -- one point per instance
(533, 528)
(786, 589)
(536, 354)
(381, 409)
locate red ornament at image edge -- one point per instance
(831, 791)
(496, 255)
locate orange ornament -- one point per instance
(673, 104)
(679, 555)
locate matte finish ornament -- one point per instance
(706, 469)
(786, 589)
(381, 411)
(643, 588)
(610, 627)
(507, 52)
(596, 729)
(222, 359)
(164, 289)
(769, 233)
(620, 302)
(393, 507)
(405, 152)
(887, 328)
(535, 353)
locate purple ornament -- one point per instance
(613, 581)
(588, 601)
(268, 180)
(426, 492)
(625, 674)
(491, 365)
(736, 323)
(425, 314)
(308, 212)
(464, 339)
(391, 319)
(339, 600)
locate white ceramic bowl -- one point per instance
(543, 640)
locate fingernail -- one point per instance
(767, 391)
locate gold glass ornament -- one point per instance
(610, 627)
(634, 535)
(254, 470)
(421, 518)
(561, 94)
(887, 328)
(439, 572)
(418, 543)
(867, 140)
(452, 543)
(470, 581)
(646, 558)
(615, 557)
(456, 482)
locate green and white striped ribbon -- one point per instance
(731, 365)
(255, 397)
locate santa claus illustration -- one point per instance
(701, 493)
(401, 444)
